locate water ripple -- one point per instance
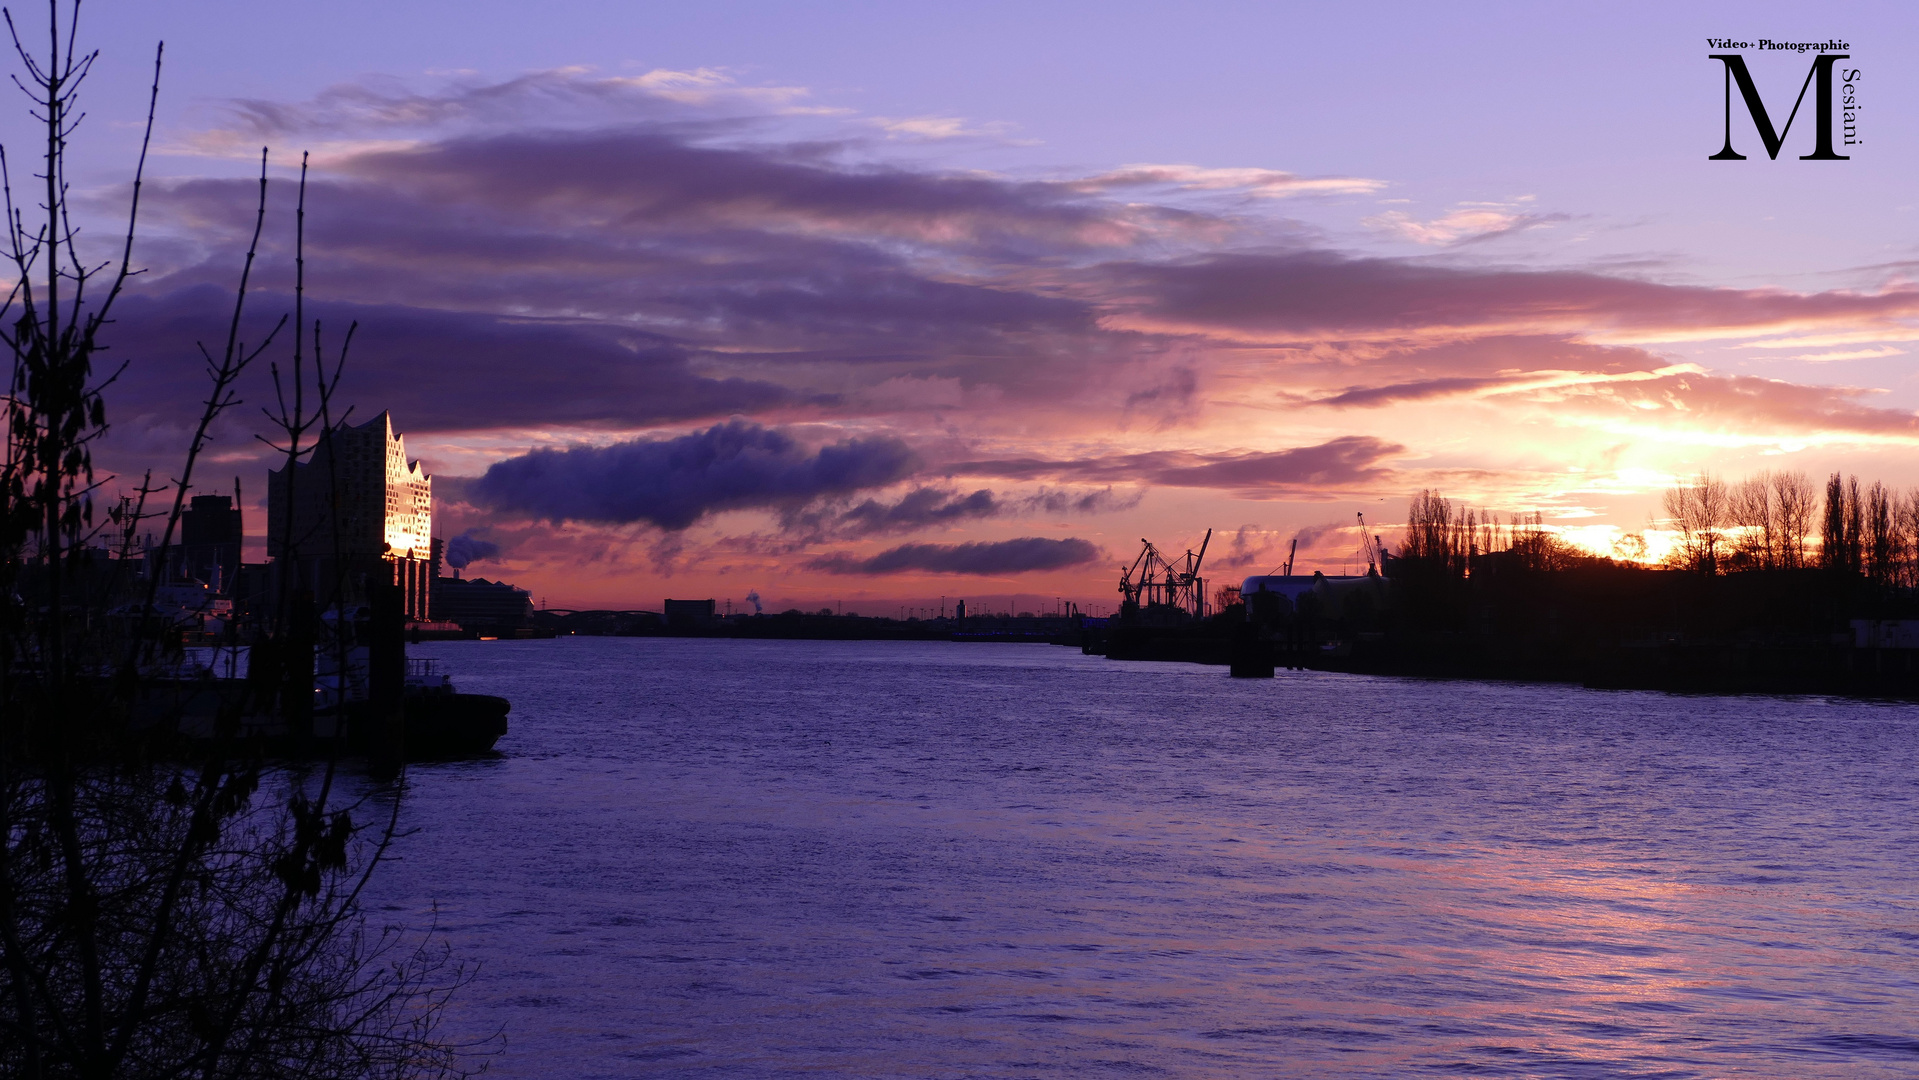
(770, 859)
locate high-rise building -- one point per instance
(210, 539)
(355, 507)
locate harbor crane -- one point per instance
(1286, 568)
(1374, 550)
(1154, 579)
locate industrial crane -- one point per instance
(1153, 579)
(1286, 568)
(1372, 548)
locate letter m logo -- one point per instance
(1821, 70)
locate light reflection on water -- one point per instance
(942, 860)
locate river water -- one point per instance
(905, 859)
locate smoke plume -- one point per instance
(467, 548)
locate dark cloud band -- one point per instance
(1347, 461)
(995, 558)
(672, 483)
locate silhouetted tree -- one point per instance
(1751, 510)
(1881, 540)
(1535, 547)
(1792, 500)
(164, 910)
(1907, 524)
(1855, 527)
(1699, 511)
(1431, 531)
(1842, 529)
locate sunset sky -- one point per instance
(872, 304)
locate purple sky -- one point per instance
(871, 302)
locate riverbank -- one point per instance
(1711, 667)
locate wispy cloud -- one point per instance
(1509, 383)
(702, 87)
(1850, 354)
(382, 108)
(1837, 337)
(1465, 225)
(1750, 408)
(940, 127)
(1271, 183)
